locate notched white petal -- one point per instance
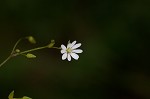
(63, 51)
(64, 56)
(63, 47)
(69, 57)
(75, 56)
(76, 46)
(73, 43)
(77, 51)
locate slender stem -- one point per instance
(11, 54)
(21, 53)
(34, 49)
(5, 60)
(16, 45)
(31, 50)
(56, 47)
(16, 54)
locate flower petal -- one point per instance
(64, 56)
(77, 51)
(69, 57)
(73, 43)
(75, 56)
(76, 46)
(63, 51)
(63, 47)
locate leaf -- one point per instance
(25, 97)
(11, 95)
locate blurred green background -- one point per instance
(115, 39)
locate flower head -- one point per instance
(70, 51)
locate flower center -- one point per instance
(69, 50)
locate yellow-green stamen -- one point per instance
(69, 50)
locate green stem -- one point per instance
(34, 49)
(56, 47)
(21, 53)
(1, 64)
(15, 45)
(5, 60)
(31, 50)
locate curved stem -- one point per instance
(34, 49)
(5, 60)
(56, 47)
(11, 52)
(21, 53)
(16, 45)
(31, 50)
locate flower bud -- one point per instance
(29, 55)
(17, 50)
(51, 44)
(31, 39)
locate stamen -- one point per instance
(69, 50)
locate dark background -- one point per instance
(115, 39)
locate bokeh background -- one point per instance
(115, 39)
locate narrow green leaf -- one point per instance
(11, 95)
(25, 97)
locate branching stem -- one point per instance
(13, 53)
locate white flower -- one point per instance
(70, 51)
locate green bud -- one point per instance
(17, 50)
(29, 55)
(11, 95)
(25, 97)
(31, 39)
(51, 44)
